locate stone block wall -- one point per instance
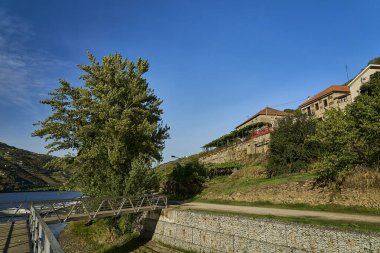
(208, 232)
(236, 153)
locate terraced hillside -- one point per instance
(22, 170)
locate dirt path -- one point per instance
(283, 212)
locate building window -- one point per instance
(308, 111)
(325, 102)
(342, 100)
(316, 106)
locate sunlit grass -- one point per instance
(228, 185)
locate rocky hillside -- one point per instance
(22, 170)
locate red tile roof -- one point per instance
(326, 92)
(266, 111)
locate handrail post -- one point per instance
(46, 244)
(39, 238)
(42, 238)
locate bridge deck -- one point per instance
(101, 214)
(14, 237)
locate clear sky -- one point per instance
(214, 63)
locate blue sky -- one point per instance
(214, 63)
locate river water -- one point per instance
(37, 196)
(7, 198)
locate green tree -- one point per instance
(374, 61)
(289, 148)
(336, 137)
(365, 114)
(186, 179)
(350, 138)
(110, 124)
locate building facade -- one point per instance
(259, 139)
(338, 96)
(266, 115)
(361, 78)
(335, 96)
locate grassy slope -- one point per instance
(252, 176)
(227, 185)
(97, 237)
(246, 180)
(22, 170)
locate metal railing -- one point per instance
(42, 239)
(40, 213)
(62, 210)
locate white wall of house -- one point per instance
(361, 78)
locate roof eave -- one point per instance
(321, 97)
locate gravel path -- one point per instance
(283, 212)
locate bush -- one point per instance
(186, 179)
(335, 136)
(102, 235)
(350, 139)
(365, 115)
(289, 148)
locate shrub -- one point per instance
(350, 139)
(186, 179)
(289, 148)
(335, 136)
(365, 115)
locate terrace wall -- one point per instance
(208, 232)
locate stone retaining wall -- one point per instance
(208, 232)
(235, 153)
(238, 152)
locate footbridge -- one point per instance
(23, 225)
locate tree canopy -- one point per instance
(375, 61)
(289, 148)
(351, 138)
(111, 124)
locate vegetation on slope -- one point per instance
(290, 150)
(345, 141)
(235, 136)
(22, 170)
(112, 234)
(250, 186)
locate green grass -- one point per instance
(298, 206)
(102, 236)
(227, 185)
(343, 226)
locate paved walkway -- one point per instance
(14, 237)
(283, 212)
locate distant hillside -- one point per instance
(22, 170)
